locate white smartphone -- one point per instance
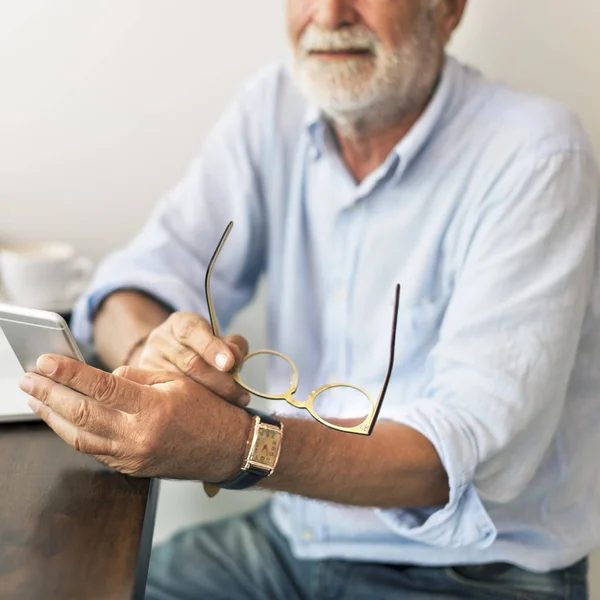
(26, 334)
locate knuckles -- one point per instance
(80, 414)
(121, 371)
(192, 364)
(77, 443)
(104, 387)
(184, 325)
(43, 390)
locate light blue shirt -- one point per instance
(487, 214)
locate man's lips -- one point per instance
(345, 53)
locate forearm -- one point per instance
(394, 467)
(123, 319)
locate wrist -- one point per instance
(132, 356)
(261, 452)
(234, 446)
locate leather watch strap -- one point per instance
(264, 417)
(244, 479)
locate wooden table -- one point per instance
(70, 528)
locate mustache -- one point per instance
(314, 39)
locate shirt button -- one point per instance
(307, 535)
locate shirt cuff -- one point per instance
(169, 291)
(464, 521)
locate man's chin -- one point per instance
(337, 100)
(346, 107)
(334, 91)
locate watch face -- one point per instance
(266, 447)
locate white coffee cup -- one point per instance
(46, 275)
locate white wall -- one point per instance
(103, 102)
(548, 46)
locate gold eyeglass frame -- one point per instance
(363, 428)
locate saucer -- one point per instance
(61, 306)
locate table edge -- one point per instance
(145, 544)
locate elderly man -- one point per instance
(378, 159)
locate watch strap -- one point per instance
(264, 417)
(244, 479)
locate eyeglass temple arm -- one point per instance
(392, 351)
(214, 323)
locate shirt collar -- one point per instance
(414, 141)
(315, 126)
(430, 121)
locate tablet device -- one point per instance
(26, 334)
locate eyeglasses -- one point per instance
(316, 408)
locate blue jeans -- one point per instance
(246, 558)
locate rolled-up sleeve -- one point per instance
(501, 367)
(169, 257)
(463, 521)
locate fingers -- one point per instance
(238, 345)
(195, 333)
(76, 408)
(111, 391)
(185, 344)
(79, 439)
(223, 385)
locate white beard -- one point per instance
(373, 87)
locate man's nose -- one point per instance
(333, 14)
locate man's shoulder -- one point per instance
(519, 119)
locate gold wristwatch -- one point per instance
(262, 452)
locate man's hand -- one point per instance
(184, 344)
(142, 423)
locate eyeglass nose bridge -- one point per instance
(287, 395)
